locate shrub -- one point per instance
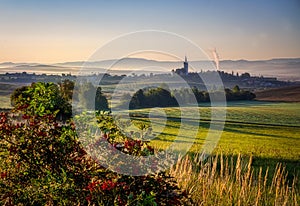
(43, 163)
(41, 98)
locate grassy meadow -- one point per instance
(255, 162)
(267, 131)
(5, 101)
(5, 92)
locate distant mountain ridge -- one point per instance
(282, 68)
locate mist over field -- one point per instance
(284, 69)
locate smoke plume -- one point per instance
(216, 58)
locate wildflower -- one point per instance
(105, 136)
(25, 116)
(32, 123)
(3, 175)
(91, 186)
(88, 198)
(3, 119)
(108, 185)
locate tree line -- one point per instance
(50, 98)
(162, 97)
(152, 97)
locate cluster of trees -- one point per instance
(237, 94)
(51, 98)
(186, 95)
(91, 97)
(55, 99)
(150, 97)
(44, 98)
(163, 97)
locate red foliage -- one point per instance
(3, 175)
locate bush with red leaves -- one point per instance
(43, 163)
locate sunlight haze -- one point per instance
(60, 31)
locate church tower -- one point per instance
(186, 66)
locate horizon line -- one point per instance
(83, 61)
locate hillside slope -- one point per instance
(285, 94)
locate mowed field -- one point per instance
(270, 132)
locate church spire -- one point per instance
(185, 66)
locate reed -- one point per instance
(223, 180)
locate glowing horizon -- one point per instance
(55, 31)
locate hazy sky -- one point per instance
(59, 31)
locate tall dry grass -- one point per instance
(221, 180)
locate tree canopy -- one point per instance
(152, 97)
(41, 99)
(163, 97)
(92, 97)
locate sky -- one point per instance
(63, 31)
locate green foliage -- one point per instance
(43, 163)
(18, 94)
(186, 95)
(101, 102)
(236, 89)
(128, 143)
(163, 97)
(237, 94)
(86, 95)
(91, 97)
(41, 99)
(66, 88)
(152, 97)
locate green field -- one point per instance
(268, 131)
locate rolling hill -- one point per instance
(284, 94)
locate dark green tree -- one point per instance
(137, 100)
(66, 88)
(17, 95)
(236, 89)
(152, 97)
(101, 102)
(86, 95)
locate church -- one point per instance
(182, 71)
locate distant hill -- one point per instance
(284, 94)
(283, 68)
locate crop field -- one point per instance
(267, 131)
